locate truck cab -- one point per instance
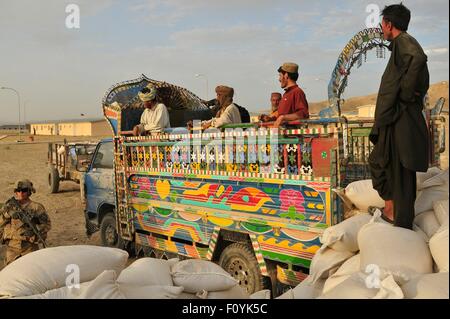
(97, 192)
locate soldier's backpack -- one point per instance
(245, 115)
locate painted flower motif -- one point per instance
(221, 157)
(202, 156)
(292, 198)
(211, 158)
(194, 157)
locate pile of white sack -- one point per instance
(365, 257)
(93, 272)
(361, 257)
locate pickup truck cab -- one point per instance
(97, 191)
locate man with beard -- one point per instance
(228, 112)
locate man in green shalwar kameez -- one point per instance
(400, 133)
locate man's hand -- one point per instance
(136, 130)
(264, 118)
(190, 125)
(206, 125)
(27, 233)
(280, 120)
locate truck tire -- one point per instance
(239, 260)
(108, 232)
(53, 179)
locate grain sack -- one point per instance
(45, 269)
(150, 291)
(428, 286)
(433, 190)
(60, 293)
(325, 262)
(197, 275)
(439, 249)
(427, 222)
(394, 250)
(420, 232)
(343, 236)
(362, 194)
(237, 292)
(389, 289)
(440, 209)
(348, 268)
(262, 294)
(147, 271)
(304, 290)
(422, 177)
(353, 212)
(354, 287)
(103, 287)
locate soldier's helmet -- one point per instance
(25, 184)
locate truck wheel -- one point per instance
(108, 232)
(239, 260)
(53, 179)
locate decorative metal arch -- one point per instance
(354, 52)
(123, 97)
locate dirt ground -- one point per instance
(29, 160)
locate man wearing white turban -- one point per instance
(155, 117)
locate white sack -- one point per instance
(147, 271)
(325, 262)
(344, 236)
(347, 269)
(428, 286)
(427, 222)
(395, 250)
(197, 275)
(433, 190)
(439, 249)
(362, 194)
(45, 269)
(440, 209)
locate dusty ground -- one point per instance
(29, 160)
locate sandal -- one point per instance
(373, 209)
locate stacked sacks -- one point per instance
(339, 246)
(50, 270)
(146, 278)
(206, 280)
(351, 280)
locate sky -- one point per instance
(61, 73)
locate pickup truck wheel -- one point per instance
(239, 260)
(53, 179)
(108, 232)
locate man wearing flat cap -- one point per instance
(228, 112)
(15, 232)
(275, 99)
(293, 105)
(155, 117)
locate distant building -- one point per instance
(366, 111)
(14, 128)
(81, 127)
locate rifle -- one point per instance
(13, 204)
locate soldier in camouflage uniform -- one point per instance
(18, 237)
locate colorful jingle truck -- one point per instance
(252, 198)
